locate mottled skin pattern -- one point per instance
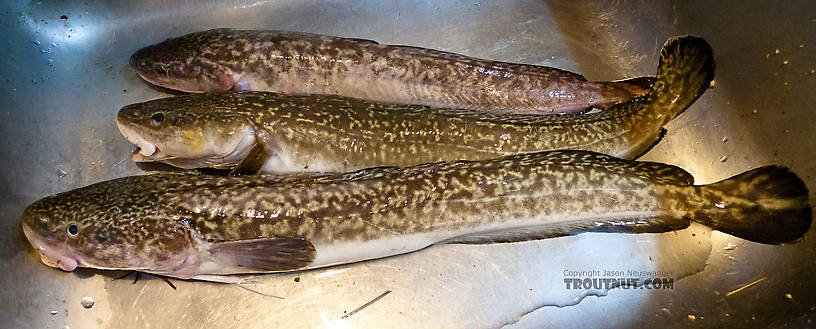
(301, 63)
(167, 223)
(378, 202)
(332, 133)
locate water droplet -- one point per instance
(724, 158)
(776, 51)
(692, 317)
(788, 296)
(785, 62)
(754, 111)
(54, 312)
(37, 42)
(787, 131)
(720, 205)
(712, 84)
(61, 173)
(801, 45)
(87, 302)
(725, 139)
(730, 246)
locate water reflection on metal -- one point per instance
(66, 121)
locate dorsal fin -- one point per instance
(362, 40)
(665, 172)
(652, 170)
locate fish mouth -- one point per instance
(217, 153)
(67, 264)
(145, 151)
(140, 155)
(52, 256)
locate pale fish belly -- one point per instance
(332, 253)
(290, 161)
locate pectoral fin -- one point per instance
(255, 159)
(269, 254)
(252, 162)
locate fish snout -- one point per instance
(51, 256)
(137, 62)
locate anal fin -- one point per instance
(508, 236)
(657, 224)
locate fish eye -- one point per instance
(73, 230)
(158, 118)
(161, 71)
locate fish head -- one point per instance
(184, 63)
(190, 131)
(89, 228)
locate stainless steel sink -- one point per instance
(65, 74)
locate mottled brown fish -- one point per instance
(302, 63)
(210, 227)
(277, 133)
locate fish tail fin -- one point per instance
(684, 72)
(621, 91)
(766, 205)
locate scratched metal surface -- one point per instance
(64, 75)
